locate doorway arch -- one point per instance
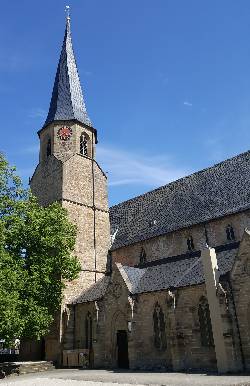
(120, 350)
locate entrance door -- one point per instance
(122, 348)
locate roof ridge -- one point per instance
(180, 179)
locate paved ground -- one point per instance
(117, 378)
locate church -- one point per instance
(165, 276)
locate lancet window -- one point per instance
(160, 339)
(83, 145)
(88, 331)
(230, 233)
(190, 243)
(143, 256)
(206, 330)
(48, 148)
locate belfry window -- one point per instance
(83, 145)
(160, 339)
(48, 148)
(190, 243)
(230, 233)
(143, 256)
(206, 330)
(88, 331)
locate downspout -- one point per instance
(237, 324)
(93, 202)
(74, 327)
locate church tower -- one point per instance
(68, 172)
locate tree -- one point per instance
(36, 246)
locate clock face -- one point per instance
(64, 133)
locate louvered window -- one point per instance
(83, 145)
(48, 149)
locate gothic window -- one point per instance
(83, 145)
(206, 330)
(190, 243)
(88, 331)
(48, 149)
(160, 340)
(230, 233)
(143, 256)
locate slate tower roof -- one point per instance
(67, 100)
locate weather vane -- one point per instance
(67, 10)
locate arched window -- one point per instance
(160, 340)
(230, 233)
(206, 330)
(48, 148)
(190, 243)
(88, 331)
(143, 256)
(83, 145)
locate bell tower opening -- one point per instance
(84, 144)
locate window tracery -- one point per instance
(88, 331)
(160, 340)
(83, 145)
(206, 330)
(230, 233)
(190, 243)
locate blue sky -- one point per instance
(166, 82)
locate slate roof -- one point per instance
(175, 274)
(208, 194)
(67, 101)
(95, 292)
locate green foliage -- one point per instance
(36, 246)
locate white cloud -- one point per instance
(125, 168)
(186, 103)
(129, 168)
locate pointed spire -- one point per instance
(67, 98)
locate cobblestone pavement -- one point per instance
(117, 378)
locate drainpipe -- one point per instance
(237, 324)
(74, 326)
(93, 202)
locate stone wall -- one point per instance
(175, 243)
(78, 182)
(183, 348)
(240, 279)
(46, 183)
(65, 149)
